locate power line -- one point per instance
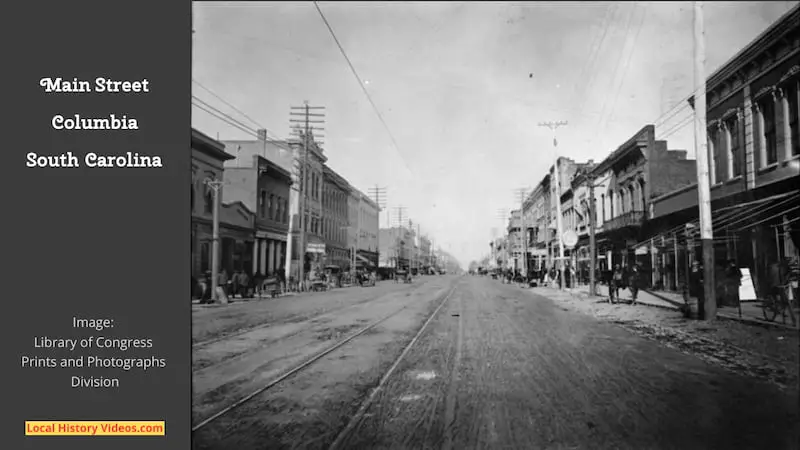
(626, 67)
(227, 103)
(227, 118)
(603, 110)
(591, 62)
(363, 87)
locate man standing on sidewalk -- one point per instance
(614, 284)
(633, 282)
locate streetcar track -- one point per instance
(358, 417)
(285, 337)
(308, 362)
(289, 319)
(450, 400)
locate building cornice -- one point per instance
(211, 147)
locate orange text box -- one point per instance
(94, 428)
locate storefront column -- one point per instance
(262, 265)
(271, 256)
(255, 256)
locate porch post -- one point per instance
(255, 256)
(677, 259)
(271, 266)
(263, 257)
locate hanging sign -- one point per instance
(747, 292)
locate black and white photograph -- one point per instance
(495, 225)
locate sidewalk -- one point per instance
(644, 297)
(751, 311)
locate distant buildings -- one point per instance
(260, 208)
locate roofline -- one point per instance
(742, 57)
(635, 141)
(209, 146)
(337, 179)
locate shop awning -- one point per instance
(730, 220)
(364, 260)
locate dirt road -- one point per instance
(502, 368)
(315, 402)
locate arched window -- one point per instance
(642, 196)
(209, 201)
(602, 208)
(633, 201)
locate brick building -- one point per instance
(363, 232)
(754, 162)
(235, 219)
(263, 187)
(335, 221)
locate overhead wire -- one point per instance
(603, 110)
(594, 51)
(215, 95)
(363, 87)
(227, 118)
(626, 66)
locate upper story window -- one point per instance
(262, 203)
(792, 100)
(768, 138)
(209, 201)
(733, 134)
(713, 154)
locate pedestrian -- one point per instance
(206, 297)
(733, 280)
(282, 280)
(634, 279)
(614, 284)
(235, 283)
(222, 282)
(244, 284)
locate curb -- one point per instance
(648, 304)
(654, 294)
(724, 316)
(756, 322)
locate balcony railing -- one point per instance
(629, 219)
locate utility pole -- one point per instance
(708, 309)
(557, 172)
(215, 185)
(400, 212)
(590, 177)
(305, 132)
(378, 195)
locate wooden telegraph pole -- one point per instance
(378, 195)
(215, 185)
(708, 308)
(592, 242)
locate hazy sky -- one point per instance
(462, 87)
